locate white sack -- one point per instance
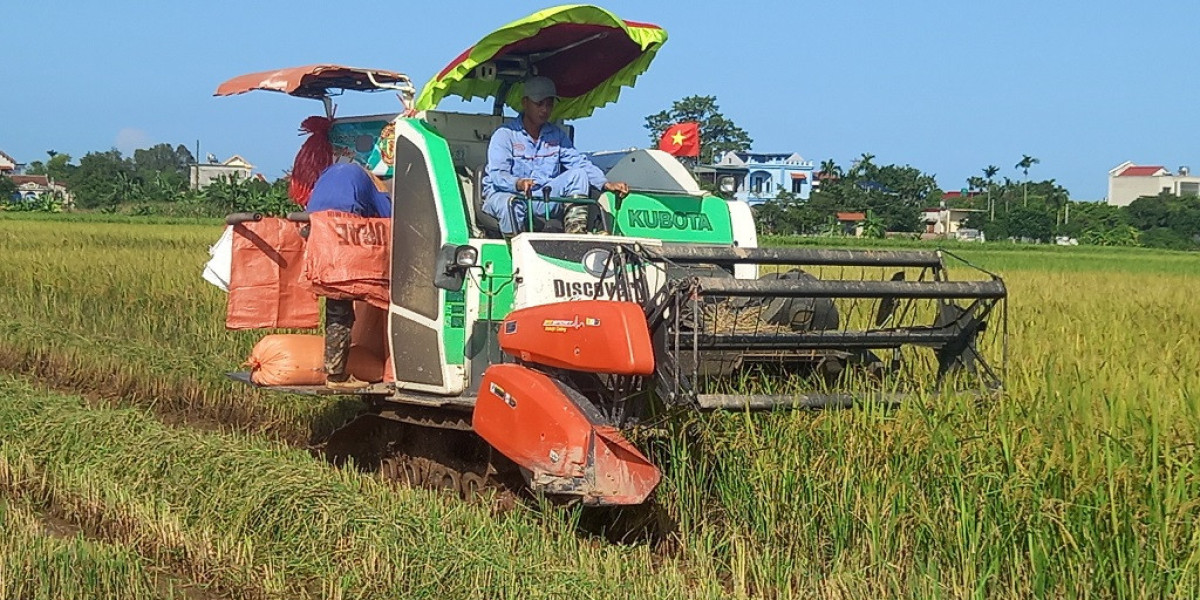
(217, 270)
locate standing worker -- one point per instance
(347, 188)
(528, 155)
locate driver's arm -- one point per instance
(574, 159)
(500, 161)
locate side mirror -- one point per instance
(728, 184)
(452, 265)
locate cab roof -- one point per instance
(313, 81)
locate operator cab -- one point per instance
(468, 136)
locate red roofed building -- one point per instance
(31, 187)
(1142, 171)
(959, 195)
(851, 222)
(1128, 182)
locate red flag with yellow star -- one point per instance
(681, 139)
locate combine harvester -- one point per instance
(519, 363)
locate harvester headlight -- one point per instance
(453, 262)
(728, 184)
(466, 256)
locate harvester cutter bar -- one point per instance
(691, 253)
(829, 340)
(765, 402)
(774, 401)
(816, 288)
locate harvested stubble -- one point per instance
(43, 559)
(257, 520)
(1082, 481)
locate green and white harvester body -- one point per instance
(519, 361)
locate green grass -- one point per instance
(1003, 256)
(1081, 482)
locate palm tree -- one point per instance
(830, 169)
(988, 173)
(865, 166)
(1026, 162)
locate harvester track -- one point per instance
(446, 457)
(449, 457)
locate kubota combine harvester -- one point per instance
(521, 361)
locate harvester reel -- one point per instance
(888, 304)
(962, 354)
(801, 314)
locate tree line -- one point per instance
(154, 181)
(893, 196)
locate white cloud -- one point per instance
(130, 139)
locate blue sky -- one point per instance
(948, 87)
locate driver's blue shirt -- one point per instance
(513, 154)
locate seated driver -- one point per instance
(528, 155)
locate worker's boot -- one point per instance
(337, 354)
(576, 219)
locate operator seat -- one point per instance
(487, 223)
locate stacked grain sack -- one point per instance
(299, 359)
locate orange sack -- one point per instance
(371, 333)
(299, 359)
(348, 257)
(265, 290)
(370, 328)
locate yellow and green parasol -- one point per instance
(588, 52)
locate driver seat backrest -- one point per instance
(470, 183)
(489, 224)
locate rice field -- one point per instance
(130, 468)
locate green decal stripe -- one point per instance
(496, 295)
(454, 331)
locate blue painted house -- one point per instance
(760, 176)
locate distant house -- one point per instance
(8, 165)
(759, 177)
(33, 187)
(1128, 182)
(203, 174)
(947, 222)
(852, 222)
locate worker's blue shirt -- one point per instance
(347, 187)
(513, 154)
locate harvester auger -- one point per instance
(520, 363)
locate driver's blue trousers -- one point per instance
(572, 182)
